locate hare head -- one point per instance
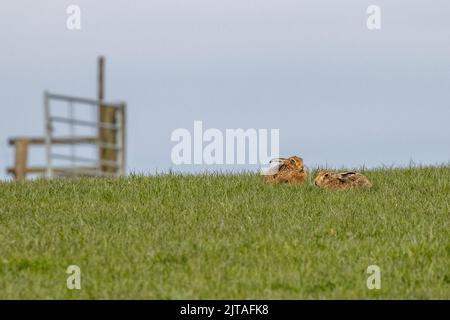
(323, 178)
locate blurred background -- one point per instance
(341, 95)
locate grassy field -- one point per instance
(213, 236)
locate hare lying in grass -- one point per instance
(289, 170)
(341, 180)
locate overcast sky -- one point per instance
(340, 94)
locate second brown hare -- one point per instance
(290, 170)
(341, 180)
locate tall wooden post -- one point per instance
(107, 117)
(101, 78)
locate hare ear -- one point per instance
(279, 160)
(272, 170)
(344, 176)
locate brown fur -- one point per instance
(341, 180)
(291, 171)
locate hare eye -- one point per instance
(292, 161)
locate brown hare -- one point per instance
(341, 180)
(291, 171)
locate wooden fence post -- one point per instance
(21, 159)
(106, 115)
(108, 137)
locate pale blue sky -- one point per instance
(340, 94)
